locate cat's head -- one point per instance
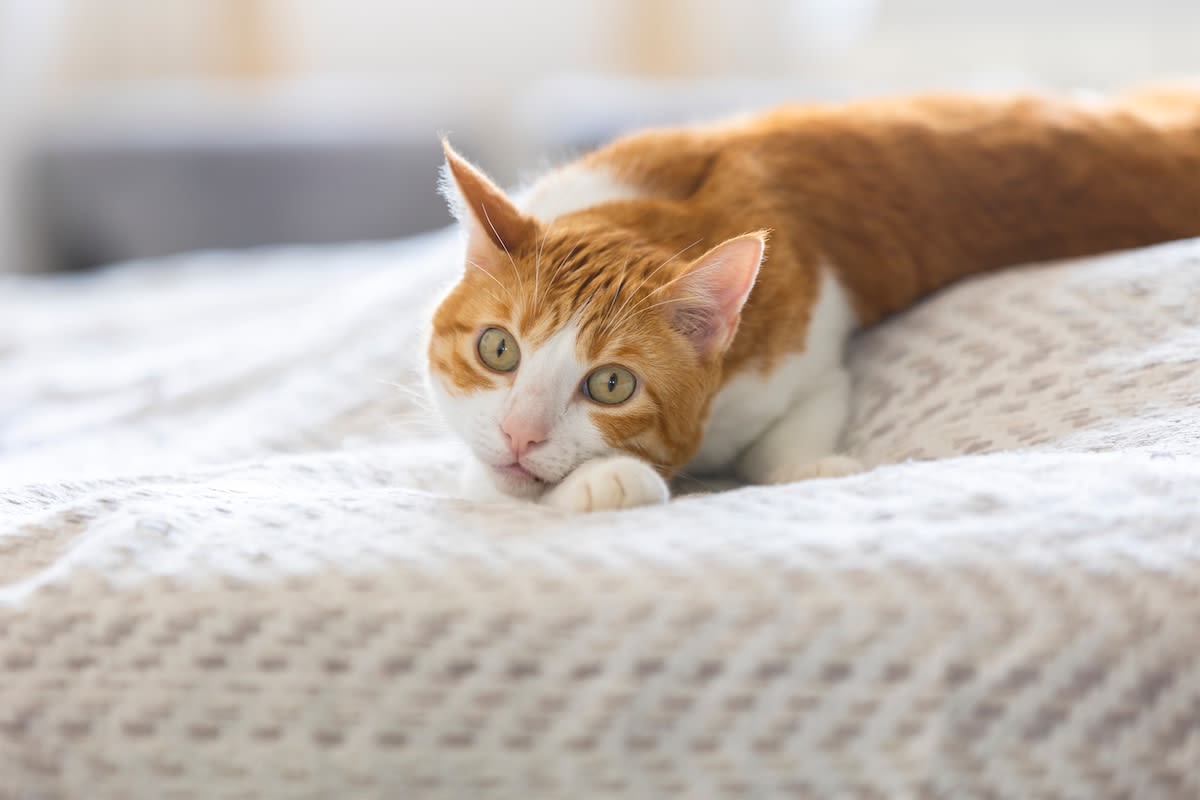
(586, 336)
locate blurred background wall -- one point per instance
(132, 128)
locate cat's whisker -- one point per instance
(424, 413)
(605, 325)
(420, 416)
(538, 261)
(400, 387)
(426, 418)
(564, 261)
(678, 278)
(558, 268)
(413, 394)
(410, 425)
(586, 305)
(671, 300)
(666, 302)
(504, 246)
(420, 401)
(537, 278)
(674, 256)
(487, 272)
(606, 322)
(494, 296)
(688, 476)
(645, 280)
(425, 421)
(640, 309)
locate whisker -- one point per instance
(413, 393)
(410, 425)
(656, 270)
(487, 272)
(421, 418)
(645, 280)
(504, 246)
(537, 277)
(538, 262)
(419, 401)
(688, 476)
(562, 263)
(673, 281)
(608, 315)
(422, 413)
(401, 387)
(586, 305)
(666, 302)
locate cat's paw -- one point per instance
(609, 483)
(827, 467)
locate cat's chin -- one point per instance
(516, 481)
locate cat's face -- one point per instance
(566, 342)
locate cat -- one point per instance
(681, 299)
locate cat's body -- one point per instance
(643, 255)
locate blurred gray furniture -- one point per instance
(155, 173)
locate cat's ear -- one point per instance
(492, 222)
(706, 301)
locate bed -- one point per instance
(232, 564)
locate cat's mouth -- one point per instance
(517, 473)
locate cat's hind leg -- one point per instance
(803, 443)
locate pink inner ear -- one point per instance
(714, 289)
(697, 322)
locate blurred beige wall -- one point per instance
(491, 45)
(497, 46)
(132, 40)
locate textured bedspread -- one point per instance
(231, 567)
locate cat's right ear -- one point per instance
(707, 299)
(493, 224)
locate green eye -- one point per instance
(610, 385)
(498, 350)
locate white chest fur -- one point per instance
(754, 400)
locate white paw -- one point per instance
(609, 483)
(827, 467)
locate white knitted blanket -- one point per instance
(230, 566)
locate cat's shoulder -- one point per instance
(575, 187)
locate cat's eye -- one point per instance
(610, 385)
(498, 350)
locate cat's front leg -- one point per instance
(802, 444)
(609, 483)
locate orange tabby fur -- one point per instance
(897, 197)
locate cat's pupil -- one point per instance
(612, 382)
(500, 348)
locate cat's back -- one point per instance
(677, 161)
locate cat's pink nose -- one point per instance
(523, 433)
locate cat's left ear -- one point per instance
(707, 299)
(493, 223)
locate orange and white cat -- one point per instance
(681, 299)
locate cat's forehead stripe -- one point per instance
(602, 282)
